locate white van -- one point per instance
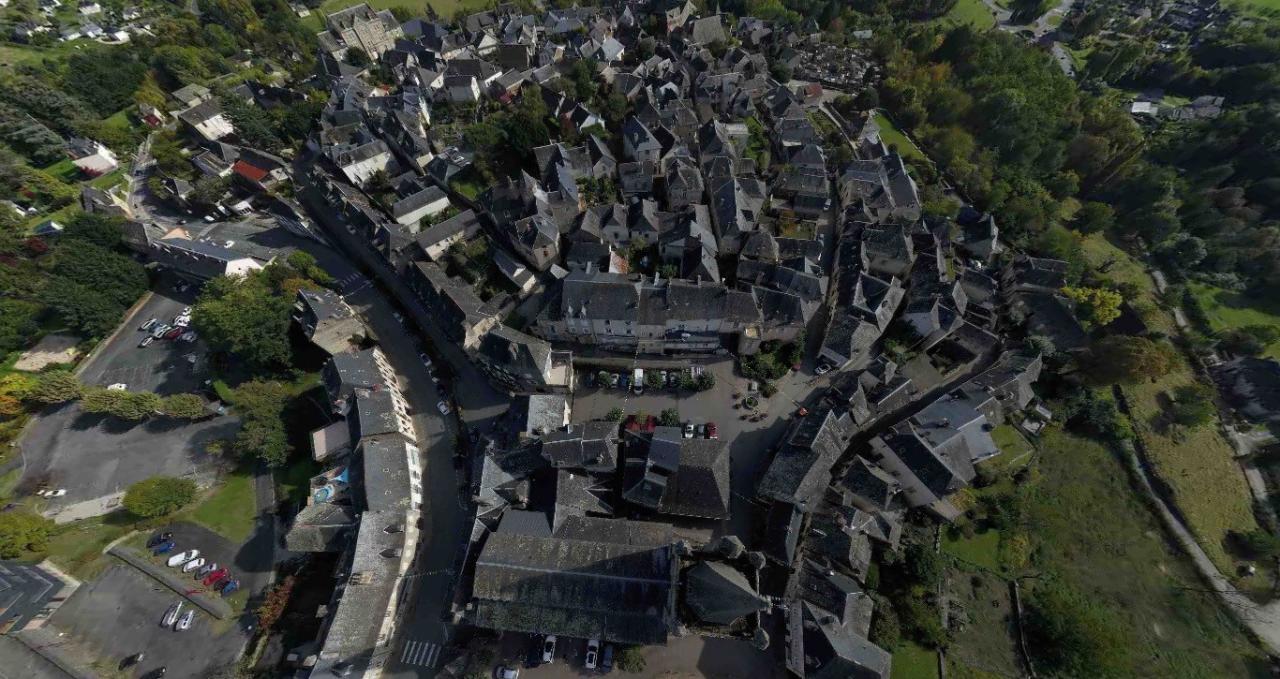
(637, 381)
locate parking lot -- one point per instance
(95, 457)
(750, 442)
(691, 656)
(119, 614)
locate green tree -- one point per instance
(1094, 217)
(1131, 359)
(614, 415)
(1096, 307)
(244, 318)
(705, 381)
(183, 406)
(57, 386)
(159, 496)
(262, 434)
(669, 417)
(23, 531)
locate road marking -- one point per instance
(420, 653)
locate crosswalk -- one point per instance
(420, 653)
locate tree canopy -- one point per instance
(159, 496)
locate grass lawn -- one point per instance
(1117, 265)
(1208, 485)
(1095, 532)
(77, 548)
(230, 510)
(469, 188)
(294, 480)
(972, 12)
(1228, 310)
(981, 549)
(1013, 446)
(911, 661)
(892, 136)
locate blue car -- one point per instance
(230, 587)
(163, 548)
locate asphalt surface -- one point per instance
(119, 614)
(95, 457)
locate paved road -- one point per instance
(424, 632)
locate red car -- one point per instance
(215, 576)
(712, 432)
(173, 334)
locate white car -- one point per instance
(549, 649)
(688, 430)
(146, 342)
(171, 615)
(822, 369)
(118, 386)
(443, 408)
(593, 654)
(183, 557)
(504, 672)
(184, 623)
(186, 311)
(149, 324)
(192, 564)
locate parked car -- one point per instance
(688, 430)
(183, 557)
(118, 386)
(229, 587)
(156, 673)
(426, 360)
(700, 431)
(184, 623)
(132, 660)
(220, 583)
(162, 548)
(443, 408)
(193, 564)
(712, 431)
(214, 577)
(593, 654)
(549, 649)
(149, 324)
(504, 672)
(606, 659)
(188, 336)
(173, 333)
(171, 615)
(158, 538)
(206, 569)
(186, 311)
(146, 342)
(160, 329)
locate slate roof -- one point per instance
(802, 466)
(592, 579)
(720, 594)
(678, 476)
(591, 445)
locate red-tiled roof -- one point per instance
(253, 174)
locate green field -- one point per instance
(231, 509)
(1228, 310)
(911, 661)
(892, 136)
(981, 550)
(1096, 533)
(972, 12)
(1116, 265)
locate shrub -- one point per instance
(21, 530)
(159, 496)
(630, 660)
(57, 386)
(183, 406)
